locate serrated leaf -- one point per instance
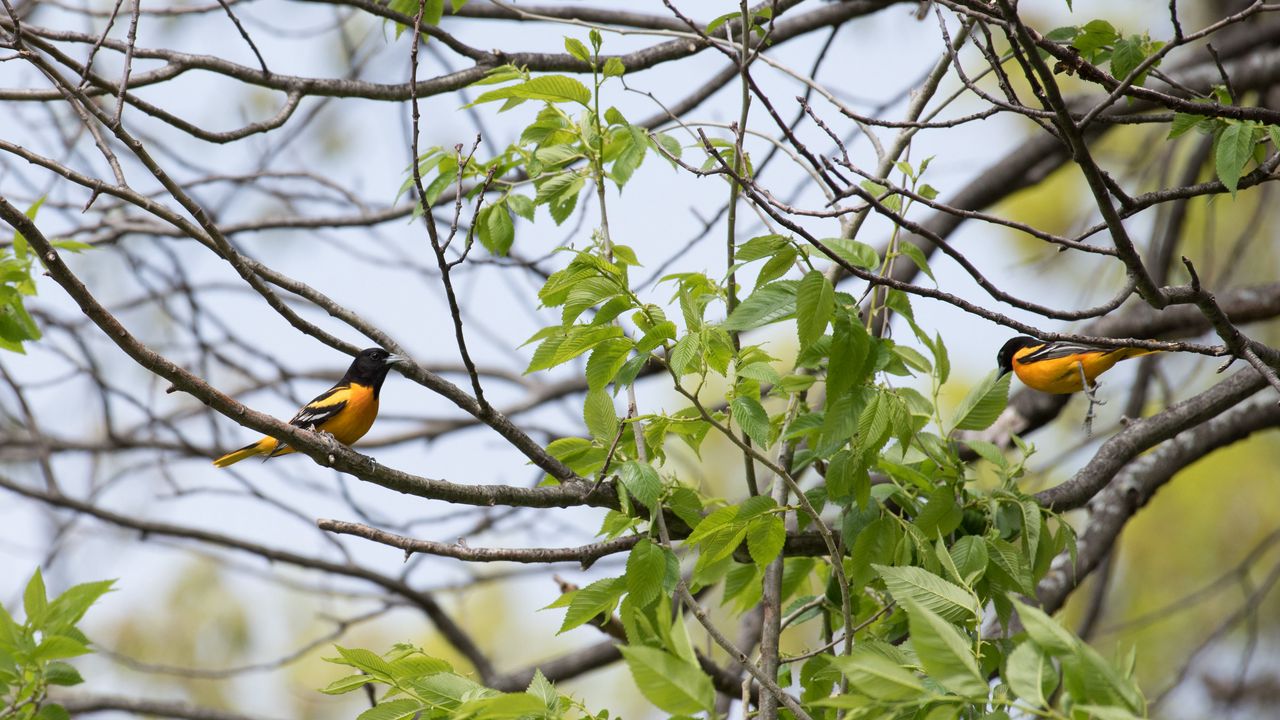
(945, 652)
(399, 709)
(941, 514)
(939, 596)
(642, 481)
(646, 570)
(597, 598)
(765, 537)
(983, 405)
(58, 647)
(917, 258)
(613, 67)
(767, 304)
(1232, 150)
(970, 557)
(550, 88)
(1045, 631)
(858, 254)
(35, 599)
(1008, 567)
(876, 676)
(60, 673)
(1030, 674)
(750, 415)
(346, 684)
(575, 48)
(672, 684)
(1127, 55)
(365, 660)
(815, 300)
(600, 416)
(606, 360)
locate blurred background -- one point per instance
(319, 200)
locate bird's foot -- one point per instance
(330, 443)
(1090, 392)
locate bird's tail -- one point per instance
(1126, 353)
(265, 446)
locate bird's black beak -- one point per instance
(395, 359)
(1004, 371)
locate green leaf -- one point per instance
(74, 246)
(1127, 55)
(575, 48)
(1008, 567)
(59, 647)
(1030, 674)
(941, 514)
(752, 418)
(613, 67)
(938, 596)
(1045, 631)
(877, 676)
(52, 711)
(970, 557)
(346, 684)
(983, 405)
(1182, 122)
(945, 652)
(848, 479)
(540, 687)
(767, 304)
(759, 247)
(672, 684)
(595, 599)
(646, 570)
(642, 481)
(777, 266)
(550, 88)
(399, 709)
(917, 257)
(1233, 149)
(815, 300)
(600, 416)
(34, 600)
(606, 359)
(760, 371)
(365, 660)
(498, 231)
(765, 537)
(68, 608)
(60, 673)
(1095, 35)
(858, 254)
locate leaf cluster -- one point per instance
(33, 653)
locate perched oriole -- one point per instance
(1059, 367)
(346, 411)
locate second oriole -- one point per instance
(1059, 367)
(346, 411)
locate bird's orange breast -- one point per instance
(356, 418)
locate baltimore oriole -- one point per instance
(1059, 367)
(346, 411)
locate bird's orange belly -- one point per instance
(1060, 375)
(355, 420)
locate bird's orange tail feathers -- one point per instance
(265, 446)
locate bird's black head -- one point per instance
(1005, 357)
(370, 368)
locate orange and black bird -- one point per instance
(1060, 367)
(346, 411)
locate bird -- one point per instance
(1060, 367)
(345, 411)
